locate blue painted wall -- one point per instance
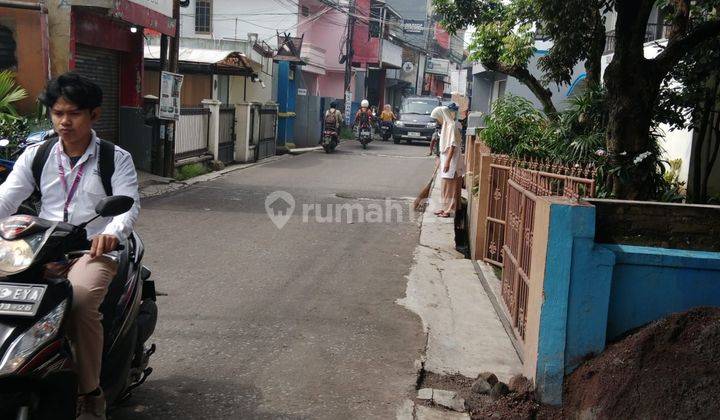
(592, 268)
(286, 94)
(650, 283)
(553, 313)
(576, 289)
(594, 293)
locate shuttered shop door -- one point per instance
(103, 67)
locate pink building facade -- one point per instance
(323, 28)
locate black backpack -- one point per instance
(106, 163)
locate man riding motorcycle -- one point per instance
(364, 118)
(333, 120)
(72, 176)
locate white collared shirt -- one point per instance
(20, 184)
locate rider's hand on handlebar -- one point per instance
(102, 244)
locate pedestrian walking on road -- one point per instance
(451, 164)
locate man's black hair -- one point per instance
(79, 90)
(333, 104)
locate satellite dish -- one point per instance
(408, 67)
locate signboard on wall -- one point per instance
(170, 86)
(348, 107)
(437, 66)
(411, 26)
(161, 6)
(302, 92)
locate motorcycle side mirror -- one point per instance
(114, 205)
(4, 142)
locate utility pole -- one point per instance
(169, 154)
(349, 59)
(348, 44)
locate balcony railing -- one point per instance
(653, 32)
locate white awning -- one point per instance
(195, 55)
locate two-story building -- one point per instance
(234, 26)
(324, 28)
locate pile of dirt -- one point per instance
(514, 405)
(517, 407)
(668, 369)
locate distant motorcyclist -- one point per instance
(387, 118)
(333, 120)
(364, 118)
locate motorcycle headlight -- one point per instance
(399, 123)
(17, 255)
(431, 125)
(37, 336)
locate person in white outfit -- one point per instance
(451, 164)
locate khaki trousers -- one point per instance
(450, 193)
(90, 279)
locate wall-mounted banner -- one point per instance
(411, 26)
(348, 107)
(170, 87)
(437, 66)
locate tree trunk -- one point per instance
(631, 99)
(707, 106)
(632, 90)
(593, 64)
(712, 156)
(543, 94)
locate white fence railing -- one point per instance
(191, 132)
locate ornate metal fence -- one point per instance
(495, 223)
(514, 188)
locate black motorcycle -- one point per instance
(386, 130)
(364, 135)
(329, 140)
(37, 379)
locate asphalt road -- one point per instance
(298, 322)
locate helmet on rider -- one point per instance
(364, 103)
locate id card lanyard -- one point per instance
(69, 193)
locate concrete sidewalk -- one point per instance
(465, 334)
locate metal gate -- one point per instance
(516, 184)
(266, 144)
(103, 67)
(226, 146)
(308, 120)
(517, 251)
(495, 222)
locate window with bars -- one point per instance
(203, 16)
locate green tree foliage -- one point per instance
(516, 128)
(9, 94)
(575, 137)
(633, 83)
(504, 38)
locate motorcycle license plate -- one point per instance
(365, 133)
(413, 134)
(20, 299)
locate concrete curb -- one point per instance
(152, 189)
(464, 333)
(304, 150)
